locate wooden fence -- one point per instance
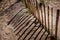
(47, 16)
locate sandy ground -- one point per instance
(4, 4)
(6, 32)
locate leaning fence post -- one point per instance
(56, 28)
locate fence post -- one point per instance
(56, 28)
(51, 21)
(48, 21)
(37, 7)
